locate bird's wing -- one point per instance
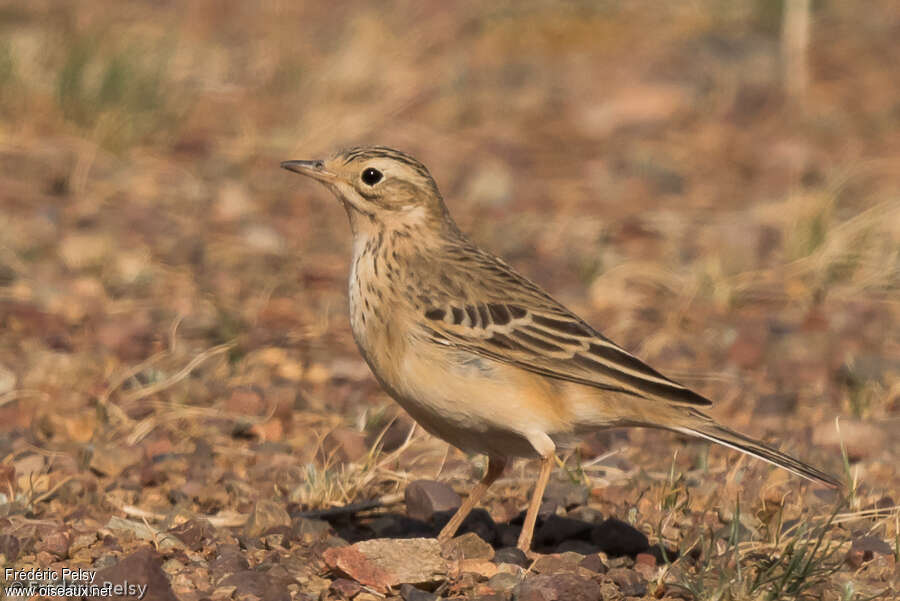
(480, 304)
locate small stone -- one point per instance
(309, 530)
(645, 565)
(621, 561)
(424, 498)
(82, 540)
(558, 587)
(630, 582)
(595, 562)
(503, 582)
(512, 555)
(56, 543)
(266, 515)
(194, 533)
(467, 546)
(227, 560)
(615, 537)
(142, 568)
(482, 568)
(552, 564)
(345, 588)
(112, 462)
(254, 584)
(410, 593)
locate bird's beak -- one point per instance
(313, 169)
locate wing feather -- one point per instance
(506, 317)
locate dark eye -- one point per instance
(371, 176)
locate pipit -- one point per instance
(476, 353)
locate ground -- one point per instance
(182, 405)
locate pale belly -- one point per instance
(477, 404)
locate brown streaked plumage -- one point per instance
(478, 354)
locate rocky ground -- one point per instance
(182, 405)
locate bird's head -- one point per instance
(386, 186)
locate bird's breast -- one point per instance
(375, 309)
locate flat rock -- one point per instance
(558, 587)
(383, 563)
(142, 568)
(424, 498)
(512, 555)
(554, 564)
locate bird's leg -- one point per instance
(495, 467)
(531, 515)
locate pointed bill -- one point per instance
(314, 169)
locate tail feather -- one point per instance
(735, 440)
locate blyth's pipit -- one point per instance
(476, 353)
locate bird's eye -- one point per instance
(371, 176)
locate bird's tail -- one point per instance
(710, 430)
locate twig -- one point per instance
(180, 375)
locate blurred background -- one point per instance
(712, 184)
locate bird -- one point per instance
(478, 354)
